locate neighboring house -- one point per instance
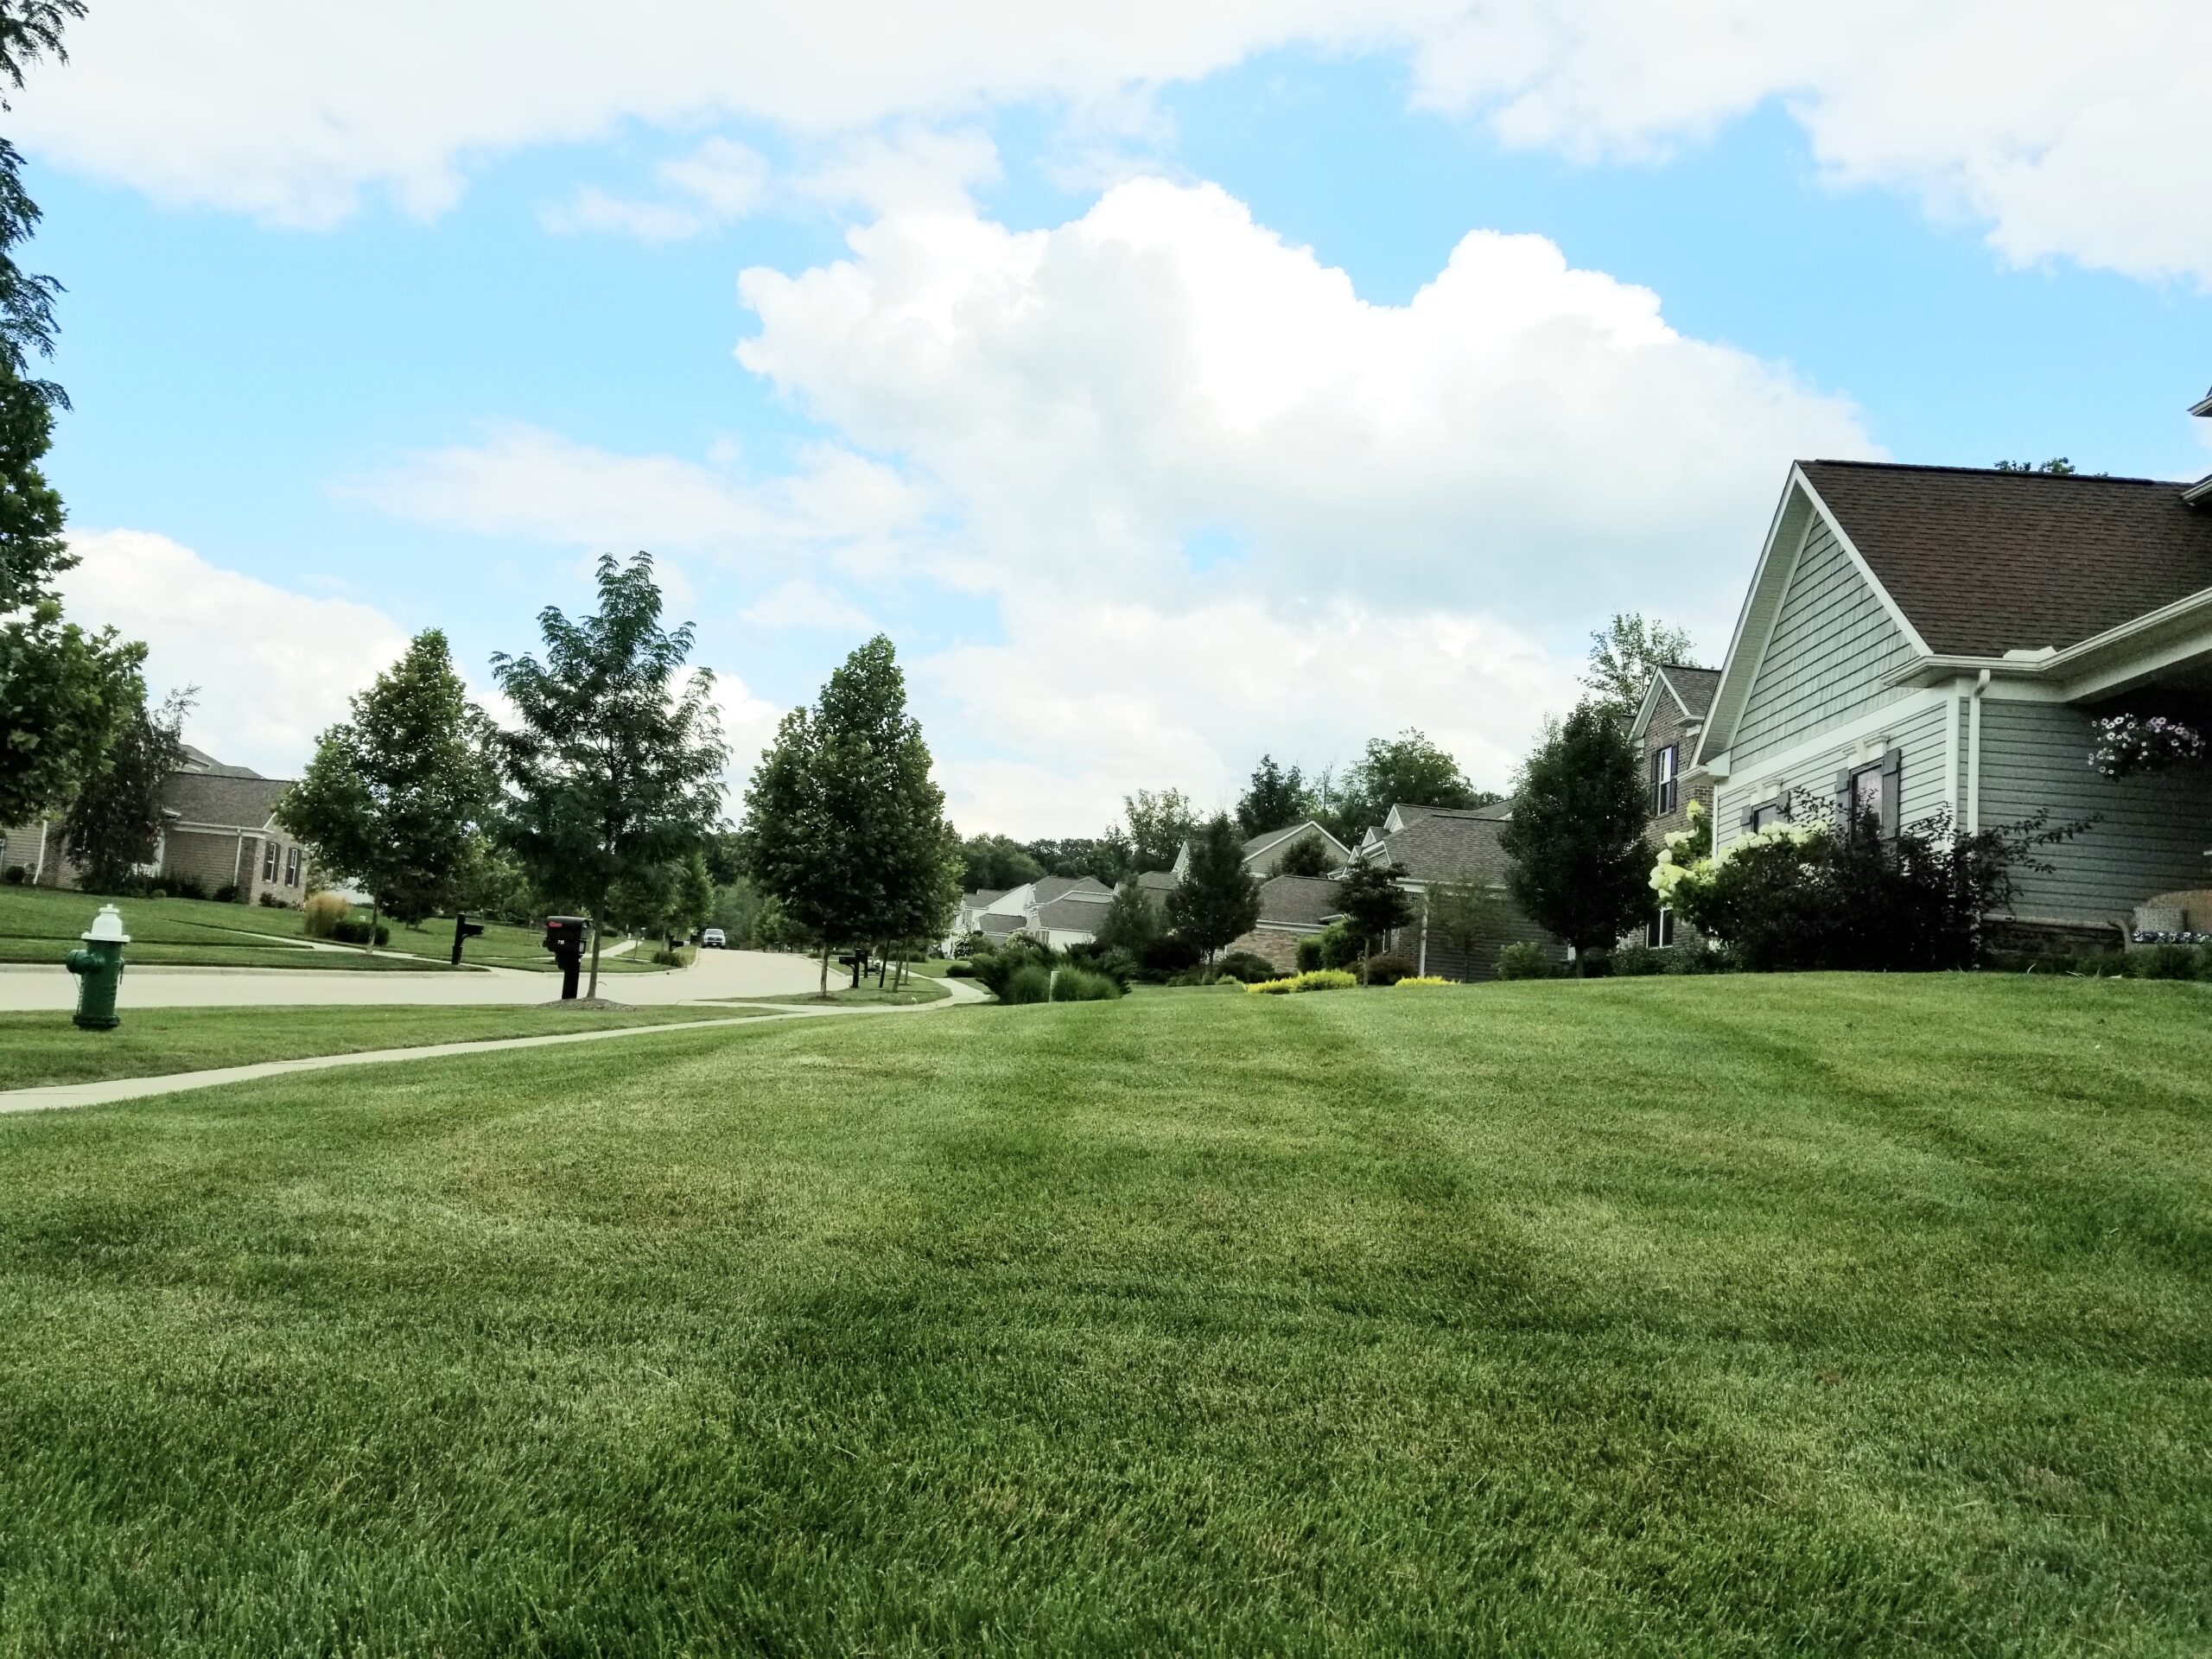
(1056, 909)
(217, 831)
(1292, 907)
(1264, 852)
(1450, 847)
(1926, 639)
(1665, 733)
(967, 917)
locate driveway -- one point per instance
(716, 975)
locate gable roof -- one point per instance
(221, 798)
(1268, 840)
(1298, 900)
(1158, 880)
(1446, 844)
(982, 896)
(1078, 914)
(1983, 562)
(1049, 887)
(198, 760)
(1688, 688)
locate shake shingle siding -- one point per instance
(2152, 830)
(1834, 646)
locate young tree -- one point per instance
(1217, 901)
(1374, 905)
(115, 823)
(1159, 823)
(397, 796)
(1461, 915)
(1408, 770)
(1622, 655)
(1273, 799)
(1581, 865)
(1131, 921)
(617, 766)
(997, 862)
(844, 828)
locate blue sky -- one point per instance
(1104, 390)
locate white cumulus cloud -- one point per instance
(273, 667)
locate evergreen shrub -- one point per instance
(1525, 960)
(1388, 970)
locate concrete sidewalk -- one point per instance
(62, 1095)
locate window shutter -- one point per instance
(1892, 779)
(1844, 814)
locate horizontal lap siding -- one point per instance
(1833, 648)
(2150, 832)
(1923, 771)
(1511, 927)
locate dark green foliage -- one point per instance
(1524, 960)
(1374, 905)
(354, 930)
(1389, 970)
(398, 796)
(1159, 823)
(1243, 965)
(1168, 956)
(1273, 799)
(1408, 770)
(2163, 962)
(1638, 962)
(618, 764)
(1105, 858)
(63, 692)
(1309, 954)
(1926, 900)
(844, 826)
(115, 822)
(1581, 867)
(1622, 656)
(1308, 855)
(1217, 901)
(997, 864)
(1132, 921)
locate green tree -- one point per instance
(2058, 466)
(1623, 654)
(396, 795)
(844, 828)
(997, 862)
(1581, 866)
(1375, 906)
(617, 766)
(29, 30)
(115, 823)
(1216, 901)
(1158, 823)
(1104, 858)
(1307, 855)
(1408, 770)
(1131, 921)
(1273, 799)
(1461, 916)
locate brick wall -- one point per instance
(1480, 962)
(209, 857)
(1667, 727)
(1275, 945)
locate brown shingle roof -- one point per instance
(1049, 887)
(1984, 562)
(1448, 846)
(220, 798)
(1694, 686)
(1297, 900)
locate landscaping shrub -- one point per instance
(1084, 985)
(322, 913)
(1422, 979)
(185, 887)
(1168, 956)
(271, 901)
(347, 931)
(15, 875)
(226, 894)
(2163, 962)
(1309, 954)
(1322, 979)
(664, 958)
(1525, 960)
(1339, 946)
(1243, 966)
(1635, 961)
(996, 968)
(1388, 970)
(1698, 959)
(960, 970)
(1027, 982)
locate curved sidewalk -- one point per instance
(62, 1095)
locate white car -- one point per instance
(712, 939)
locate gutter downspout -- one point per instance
(1973, 753)
(1423, 968)
(39, 874)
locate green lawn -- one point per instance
(866, 995)
(45, 913)
(1791, 1316)
(43, 1048)
(506, 946)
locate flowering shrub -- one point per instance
(2124, 744)
(2144, 936)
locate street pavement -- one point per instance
(716, 975)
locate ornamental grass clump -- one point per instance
(320, 914)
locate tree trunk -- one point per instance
(825, 971)
(594, 992)
(882, 967)
(376, 905)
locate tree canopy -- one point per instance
(1581, 866)
(1160, 822)
(1622, 655)
(1216, 901)
(396, 795)
(1408, 770)
(617, 764)
(115, 823)
(1374, 905)
(844, 826)
(997, 864)
(1273, 799)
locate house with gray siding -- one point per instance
(1920, 641)
(1664, 734)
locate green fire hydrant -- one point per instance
(98, 968)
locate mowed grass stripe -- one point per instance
(1660, 1316)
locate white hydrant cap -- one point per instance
(107, 928)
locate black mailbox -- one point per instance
(463, 929)
(564, 938)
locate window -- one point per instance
(1665, 791)
(1767, 813)
(269, 860)
(1659, 932)
(1867, 795)
(292, 867)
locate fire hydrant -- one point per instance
(98, 968)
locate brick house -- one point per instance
(1667, 725)
(218, 830)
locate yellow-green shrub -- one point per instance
(1422, 979)
(1322, 979)
(322, 913)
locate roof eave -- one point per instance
(2141, 633)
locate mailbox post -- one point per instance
(564, 938)
(463, 929)
(98, 968)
